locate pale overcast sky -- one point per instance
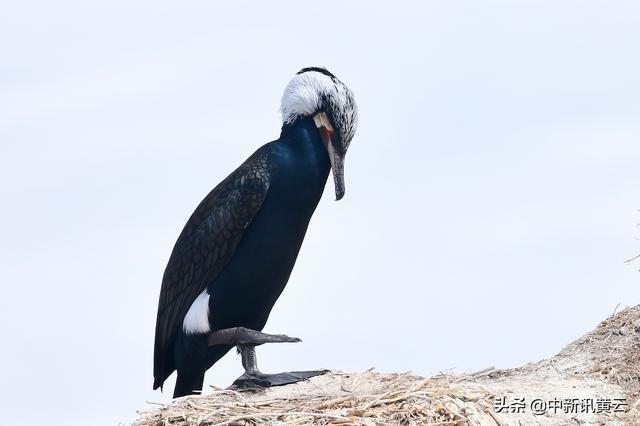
(492, 187)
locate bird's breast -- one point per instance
(247, 289)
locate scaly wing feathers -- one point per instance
(205, 246)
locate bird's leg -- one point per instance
(246, 341)
(252, 377)
(249, 359)
(239, 336)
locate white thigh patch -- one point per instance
(197, 319)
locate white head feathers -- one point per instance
(303, 95)
(315, 89)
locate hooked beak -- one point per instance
(337, 160)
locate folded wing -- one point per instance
(205, 246)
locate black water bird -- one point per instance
(236, 252)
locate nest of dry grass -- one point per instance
(603, 362)
(612, 351)
(369, 398)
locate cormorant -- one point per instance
(236, 252)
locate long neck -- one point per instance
(303, 139)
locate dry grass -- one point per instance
(614, 349)
(604, 362)
(337, 398)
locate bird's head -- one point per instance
(315, 92)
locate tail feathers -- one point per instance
(188, 383)
(158, 379)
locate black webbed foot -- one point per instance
(253, 378)
(261, 380)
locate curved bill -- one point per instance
(337, 160)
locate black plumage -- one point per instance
(204, 247)
(242, 241)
